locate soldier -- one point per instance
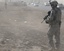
(54, 21)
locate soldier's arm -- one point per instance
(58, 19)
(53, 16)
(59, 15)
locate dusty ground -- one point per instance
(21, 29)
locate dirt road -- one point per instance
(21, 29)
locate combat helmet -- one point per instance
(54, 3)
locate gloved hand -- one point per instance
(47, 21)
(49, 13)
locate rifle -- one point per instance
(42, 21)
(46, 16)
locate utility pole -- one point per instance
(5, 4)
(10, 0)
(49, 0)
(31, 1)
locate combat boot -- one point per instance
(52, 49)
(57, 49)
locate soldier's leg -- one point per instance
(57, 37)
(50, 37)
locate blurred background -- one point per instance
(21, 28)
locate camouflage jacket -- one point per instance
(55, 17)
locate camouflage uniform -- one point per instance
(54, 22)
